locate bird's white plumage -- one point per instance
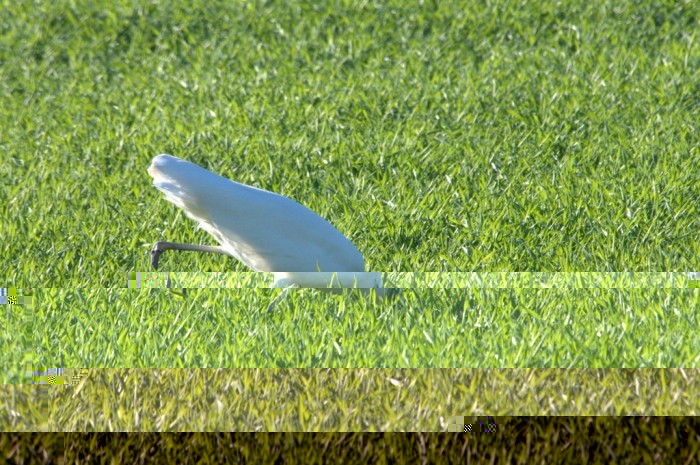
(264, 230)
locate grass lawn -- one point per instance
(550, 137)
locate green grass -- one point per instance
(496, 137)
(486, 328)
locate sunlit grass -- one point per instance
(498, 137)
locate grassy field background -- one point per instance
(496, 136)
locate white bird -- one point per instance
(264, 230)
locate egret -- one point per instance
(264, 230)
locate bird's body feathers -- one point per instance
(264, 230)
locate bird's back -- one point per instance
(266, 231)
